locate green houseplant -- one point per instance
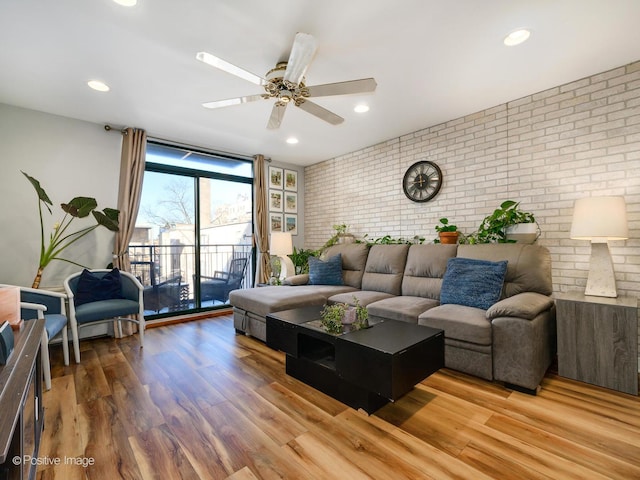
(495, 227)
(300, 259)
(333, 317)
(61, 238)
(447, 233)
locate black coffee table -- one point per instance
(364, 369)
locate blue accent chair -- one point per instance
(130, 308)
(36, 303)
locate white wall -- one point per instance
(70, 158)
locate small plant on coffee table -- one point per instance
(362, 316)
(331, 317)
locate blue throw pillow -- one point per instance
(92, 288)
(325, 272)
(474, 283)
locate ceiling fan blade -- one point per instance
(302, 52)
(230, 68)
(364, 85)
(232, 101)
(277, 114)
(321, 112)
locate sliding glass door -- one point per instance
(193, 237)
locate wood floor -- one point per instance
(200, 402)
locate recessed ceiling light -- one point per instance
(361, 108)
(126, 3)
(292, 140)
(517, 37)
(98, 85)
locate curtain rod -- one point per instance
(122, 130)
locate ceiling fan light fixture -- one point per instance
(517, 37)
(98, 86)
(292, 140)
(361, 108)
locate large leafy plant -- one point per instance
(60, 238)
(494, 227)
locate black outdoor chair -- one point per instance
(219, 286)
(163, 294)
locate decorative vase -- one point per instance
(448, 238)
(346, 238)
(349, 316)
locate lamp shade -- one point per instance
(281, 243)
(599, 219)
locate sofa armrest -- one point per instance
(525, 305)
(301, 279)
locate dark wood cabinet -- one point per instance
(22, 412)
(598, 340)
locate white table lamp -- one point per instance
(281, 246)
(600, 219)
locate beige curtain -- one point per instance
(134, 147)
(263, 266)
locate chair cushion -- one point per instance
(473, 283)
(105, 309)
(327, 272)
(54, 323)
(93, 288)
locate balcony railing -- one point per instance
(168, 267)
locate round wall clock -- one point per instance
(422, 181)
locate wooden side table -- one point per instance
(598, 340)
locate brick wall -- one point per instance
(544, 150)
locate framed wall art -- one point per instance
(291, 224)
(275, 200)
(291, 180)
(275, 222)
(290, 202)
(275, 177)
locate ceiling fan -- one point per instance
(286, 84)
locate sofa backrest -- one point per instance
(385, 267)
(354, 259)
(425, 268)
(528, 270)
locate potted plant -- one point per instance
(447, 233)
(340, 236)
(60, 238)
(331, 317)
(334, 317)
(507, 224)
(300, 259)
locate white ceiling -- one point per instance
(433, 60)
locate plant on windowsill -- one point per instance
(59, 239)
(447, 233)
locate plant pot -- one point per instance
(522, 232)
(346, 238)
(349, 316)
(448, 238)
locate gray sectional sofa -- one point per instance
(512, 341)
